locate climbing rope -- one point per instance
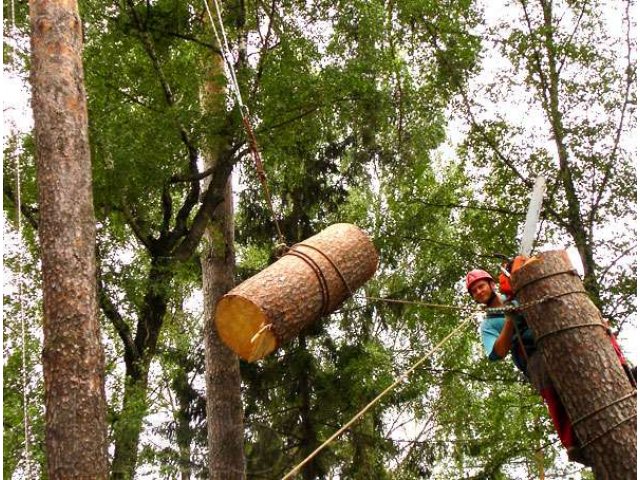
(221, 39)
(23, 328)
(364, 410)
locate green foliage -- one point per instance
(571, 70)
(22, 322)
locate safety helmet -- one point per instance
(474, 275)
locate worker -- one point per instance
(502, 333)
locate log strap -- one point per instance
(525, 306)
(604, 407)
(324, 287)
(333, 264)
(571, 271)
(570, 327)
(598, 437)
(322, 281)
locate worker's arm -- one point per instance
(502, 344)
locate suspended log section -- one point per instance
(581, 362)
(311, 280)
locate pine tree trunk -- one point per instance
(582, 363)
(224, 400)
(73, 360)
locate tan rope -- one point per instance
(399, 380)
(257, 160)
(419, 303)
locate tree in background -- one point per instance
(571, 68)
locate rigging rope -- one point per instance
(23, 329)
(225, 51)
(364, 410)
(419, 303)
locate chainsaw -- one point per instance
(511, 265)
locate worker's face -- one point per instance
(481, 291)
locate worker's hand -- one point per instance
(502, 344)
(518, 262)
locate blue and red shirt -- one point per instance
(490, 329)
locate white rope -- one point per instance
(226, 53)
(25, 396)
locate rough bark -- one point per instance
(224, 400)
(582, 363)
(73, 360)
(312, 279)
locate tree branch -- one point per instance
(625, 102)
(213, 196)
(29, 213)
(168, 238)
(471, 207)
(137, 229)
(110, 311)
(570, 39)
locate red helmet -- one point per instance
(474, 275)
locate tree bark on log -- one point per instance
(311, 280)
(72, 357)
(581, 362)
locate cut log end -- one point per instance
(244, 328)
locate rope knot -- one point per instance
(280, 250)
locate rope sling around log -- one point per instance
(311, 280)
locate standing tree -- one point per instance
(225, 426)
(76, 434)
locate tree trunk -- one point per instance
(224, 401)
(138, 357)
(73, 360)
(225, 414)
(582, 363)
(129, 425)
